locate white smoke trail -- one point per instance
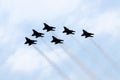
(85, 49)
(57, 53)
(105, 54)
(88, 72)
(53, 64)
(50, 47)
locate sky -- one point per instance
(98, 56)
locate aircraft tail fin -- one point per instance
(25, 42)
(64, 31)
(33, 32)
(53, 37)
(83, 34)
(52, 41)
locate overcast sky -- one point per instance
(99, 56)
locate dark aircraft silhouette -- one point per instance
(87, 34)
(29, 41)
(68, 31)
(56, 40)
(37, 34)
(48, 28)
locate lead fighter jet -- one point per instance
(68, 31)
(87, 34)
(37, 34)
(29, 41)
(56, 40)
(48, 28)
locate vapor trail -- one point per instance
(87, 51)
(105, 54)
(55, 52)
(88, 72)
(80, 43)
(52, 63)
(50, 47)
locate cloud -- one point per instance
(1, 32)
(29, 60)
(20, 11)
(38, 9)
(58, 56)
(107, 22)
(10, 35)
(24, 60)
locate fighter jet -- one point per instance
(29, 41)
(48, 28)
(56, 40)
(68, 31)
(87, 34)
(37, 34)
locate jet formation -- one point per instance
(54, 40)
